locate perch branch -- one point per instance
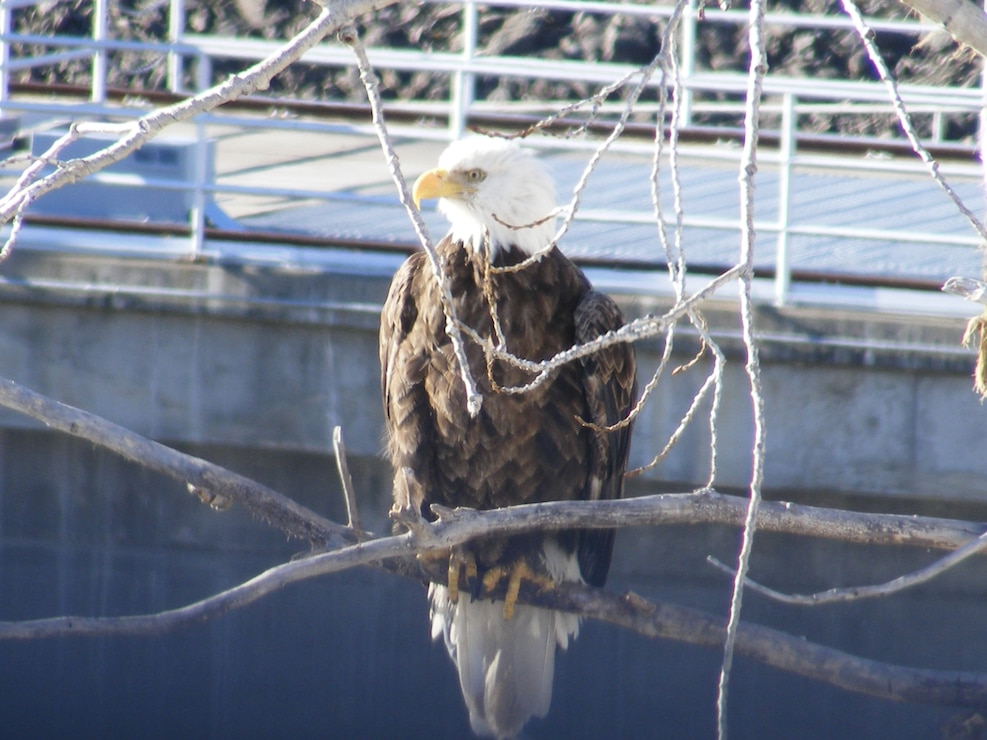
(702, 507)
(652, 619)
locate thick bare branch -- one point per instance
(211, 483)
(779, 649)
(705, 506)
(457, 526)
(652, 619)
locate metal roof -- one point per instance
(869, 224)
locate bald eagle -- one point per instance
(543, 445)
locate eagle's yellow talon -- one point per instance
(515, 574)
(491, 578)
(460, 561)
(452, 579)
(513, 588)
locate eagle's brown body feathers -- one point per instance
(520, 448)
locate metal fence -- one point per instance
(790, 104)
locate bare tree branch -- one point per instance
(853, 593)
(705, 506)
(456, 526)
(757, 69)
(652, 619)
(904, 119)
(221, 488)
(398, 554)
(211, 483)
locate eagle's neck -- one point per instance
(492, 235)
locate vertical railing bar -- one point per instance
(937, 127)
(687, 64)
(462, 81)
(176, 29)
(197, 214)
(6, 27)
(783, 268)
(99, 65)
(203, 72)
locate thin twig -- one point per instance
(645, 394)
(346, 480)
(633, 331)
(646, 72)
(474, 399)
(674, 254)
(543, 125)
(904, 119)
(853, 593)
(719, 366)
(755, 78)
(686, 420)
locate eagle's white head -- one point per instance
(494, 186)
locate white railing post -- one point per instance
(176, 29)
(982, 126)
(783, 268)
(99, 66)
(197, 214)
(461, 94)
(687, 63)
(6, 28)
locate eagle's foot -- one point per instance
(461, 562)
(517, 572)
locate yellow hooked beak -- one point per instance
(436, 183)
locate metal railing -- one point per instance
(788, 101)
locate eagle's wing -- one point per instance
(403, 362)
(609, 382)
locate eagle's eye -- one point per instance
(476, 175)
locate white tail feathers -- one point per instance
(506, 667)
